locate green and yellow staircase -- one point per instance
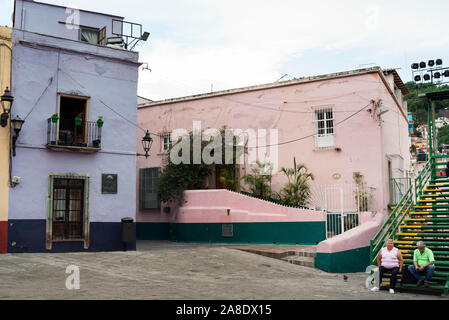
(421, 214)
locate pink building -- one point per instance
(338, 125)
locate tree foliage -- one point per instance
(418, 105)
(443, 135)
(177, 177)
(297, 190)
(258, 181)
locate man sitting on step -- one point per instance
(390, 260)
(423, 262)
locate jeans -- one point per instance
(394, 272)
(429, 270)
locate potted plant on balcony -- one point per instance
(78, 120)
(54, 118)
(100, 122)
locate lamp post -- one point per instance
(16, 124)
(147, 142)
(7, 100)
(431, 74)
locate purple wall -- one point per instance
(45, 19)
(70, 67)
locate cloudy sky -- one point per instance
(196, 44)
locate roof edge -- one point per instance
(267, 86)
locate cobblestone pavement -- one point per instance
(164, 270)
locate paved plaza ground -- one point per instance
(165, 270)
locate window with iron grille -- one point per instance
(148, 179)
(166, 142)
(324, 128)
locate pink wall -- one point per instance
(211, 206)
(364, 142)
(358, 237)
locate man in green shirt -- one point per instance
(423, 261)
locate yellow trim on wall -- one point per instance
(5, 81)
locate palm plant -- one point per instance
(259, 180)
(297, 191)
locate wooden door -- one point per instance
(68, 209)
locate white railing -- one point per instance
(343, 204)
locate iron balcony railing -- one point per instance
(72, 133)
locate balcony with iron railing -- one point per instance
(73, 135)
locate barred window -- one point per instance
(324, 128)
(148, 180)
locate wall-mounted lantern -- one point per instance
(147, 141)
(7, 99)
(16, 124)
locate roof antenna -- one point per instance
(285, 75)
(367, 64)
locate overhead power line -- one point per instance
(312, 135)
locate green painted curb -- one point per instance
(355, 260)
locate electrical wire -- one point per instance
(106, 105)
(43, 92)
(312, 135)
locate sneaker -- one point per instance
(420, 283)
(391, 291)
(426, 284)
(375, 289)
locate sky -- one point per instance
(196, 46)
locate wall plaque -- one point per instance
(109, 183)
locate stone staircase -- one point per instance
(294, 254)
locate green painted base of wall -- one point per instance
(355, 260)
(152, 231)
(305, 233)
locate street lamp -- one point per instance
(7, 99)
(16, 124)
(147, 141)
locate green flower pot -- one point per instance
(78, 121)
(55, 118)
(100, 122)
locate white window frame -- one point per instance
(324, 127)
(166, 144)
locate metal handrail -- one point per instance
(399, 212)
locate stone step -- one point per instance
(301, 260)
(295, 254)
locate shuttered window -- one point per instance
(148, 179)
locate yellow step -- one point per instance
(433, 190)
(422, 212)
(403, 242)
(436, 185)
(429, 195)
(430, 200)
(414, 219)
(407, 234)
(419, 207)
(414, 226)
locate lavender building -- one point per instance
(74, 79)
